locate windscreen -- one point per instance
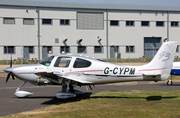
(47, 61)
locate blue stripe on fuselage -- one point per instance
(175, 71)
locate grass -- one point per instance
(128, 60)
(174, 77)
(133, 60)
(115, 104)
(4, 62)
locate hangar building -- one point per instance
(40, 29)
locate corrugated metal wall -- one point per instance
(88, 25)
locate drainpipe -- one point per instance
(107, 32)
(167, 26)
(38, 34)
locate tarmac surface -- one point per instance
(45, 95)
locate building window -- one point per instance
(64, 22)
(174, 24)
(98, 49)
(65, 49)
(81, 49)
(130, 49)
(49, 49)
(144, 23)
(159, 23)
(116, 48)
(31, 49)
(114, 23)
(28, 21)
(129, 23)
(9, 49)
(47, 21)
(9, 20)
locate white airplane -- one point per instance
(174, 71)
(72, 70)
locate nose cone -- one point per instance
(8, 70)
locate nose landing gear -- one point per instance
(21, 94)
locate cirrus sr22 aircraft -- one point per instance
(72, 70)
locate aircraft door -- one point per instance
(61, 65)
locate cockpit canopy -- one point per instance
(63, 61)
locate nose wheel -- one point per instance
(21, 94)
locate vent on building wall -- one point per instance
(90, 20)
(56, 40)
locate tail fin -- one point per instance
(163, 60)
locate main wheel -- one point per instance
(169, 82)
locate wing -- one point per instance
(57, 77)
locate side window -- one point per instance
(81, 63)
(62, 62)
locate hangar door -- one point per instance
(46, 50)
(26, 52)
(112, 52)
(151, 46)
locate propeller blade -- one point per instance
(8, 77)
(12, 76)
(11, 61)
(90, 87)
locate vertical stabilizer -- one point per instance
(163, 60)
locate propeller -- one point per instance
(10, 73)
